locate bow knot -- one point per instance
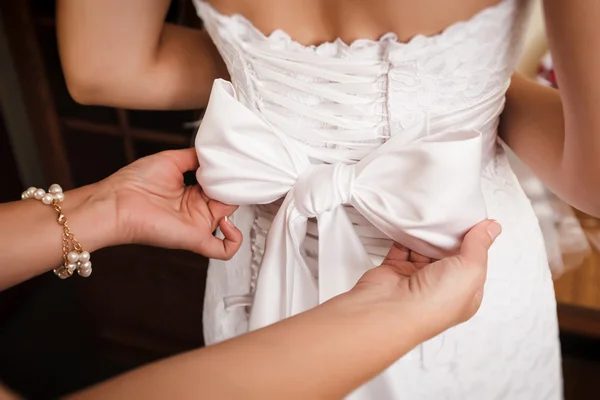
(423, 193)
(322, 188)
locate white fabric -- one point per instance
(244, 162)
(304, 122)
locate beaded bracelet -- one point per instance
(74, 256)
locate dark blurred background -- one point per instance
(142, 303)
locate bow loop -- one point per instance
(242, 160)
(321, 188)
(425, 194)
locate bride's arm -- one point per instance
(558, 135)
(122, 54)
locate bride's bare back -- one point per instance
(318, 21)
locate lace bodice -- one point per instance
(352, 97)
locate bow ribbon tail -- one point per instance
(285, 285)
(342, 257)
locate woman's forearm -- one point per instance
(90, 216)
(324, 353)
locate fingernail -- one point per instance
(494, 229)
(228, 221)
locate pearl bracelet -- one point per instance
(75, 258)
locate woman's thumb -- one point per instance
(477, 241)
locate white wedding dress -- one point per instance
(290, 108)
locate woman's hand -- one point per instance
(154, 207)
(445, 292)
(330, 350)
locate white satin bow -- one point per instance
(425, 195)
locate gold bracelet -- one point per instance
(74, 256)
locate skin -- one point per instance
(558, 134)
(393, 308)
(140, 62)
(146, 203)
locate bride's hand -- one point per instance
(154, 207)
(443, 293)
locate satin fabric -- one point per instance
(424, 194)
